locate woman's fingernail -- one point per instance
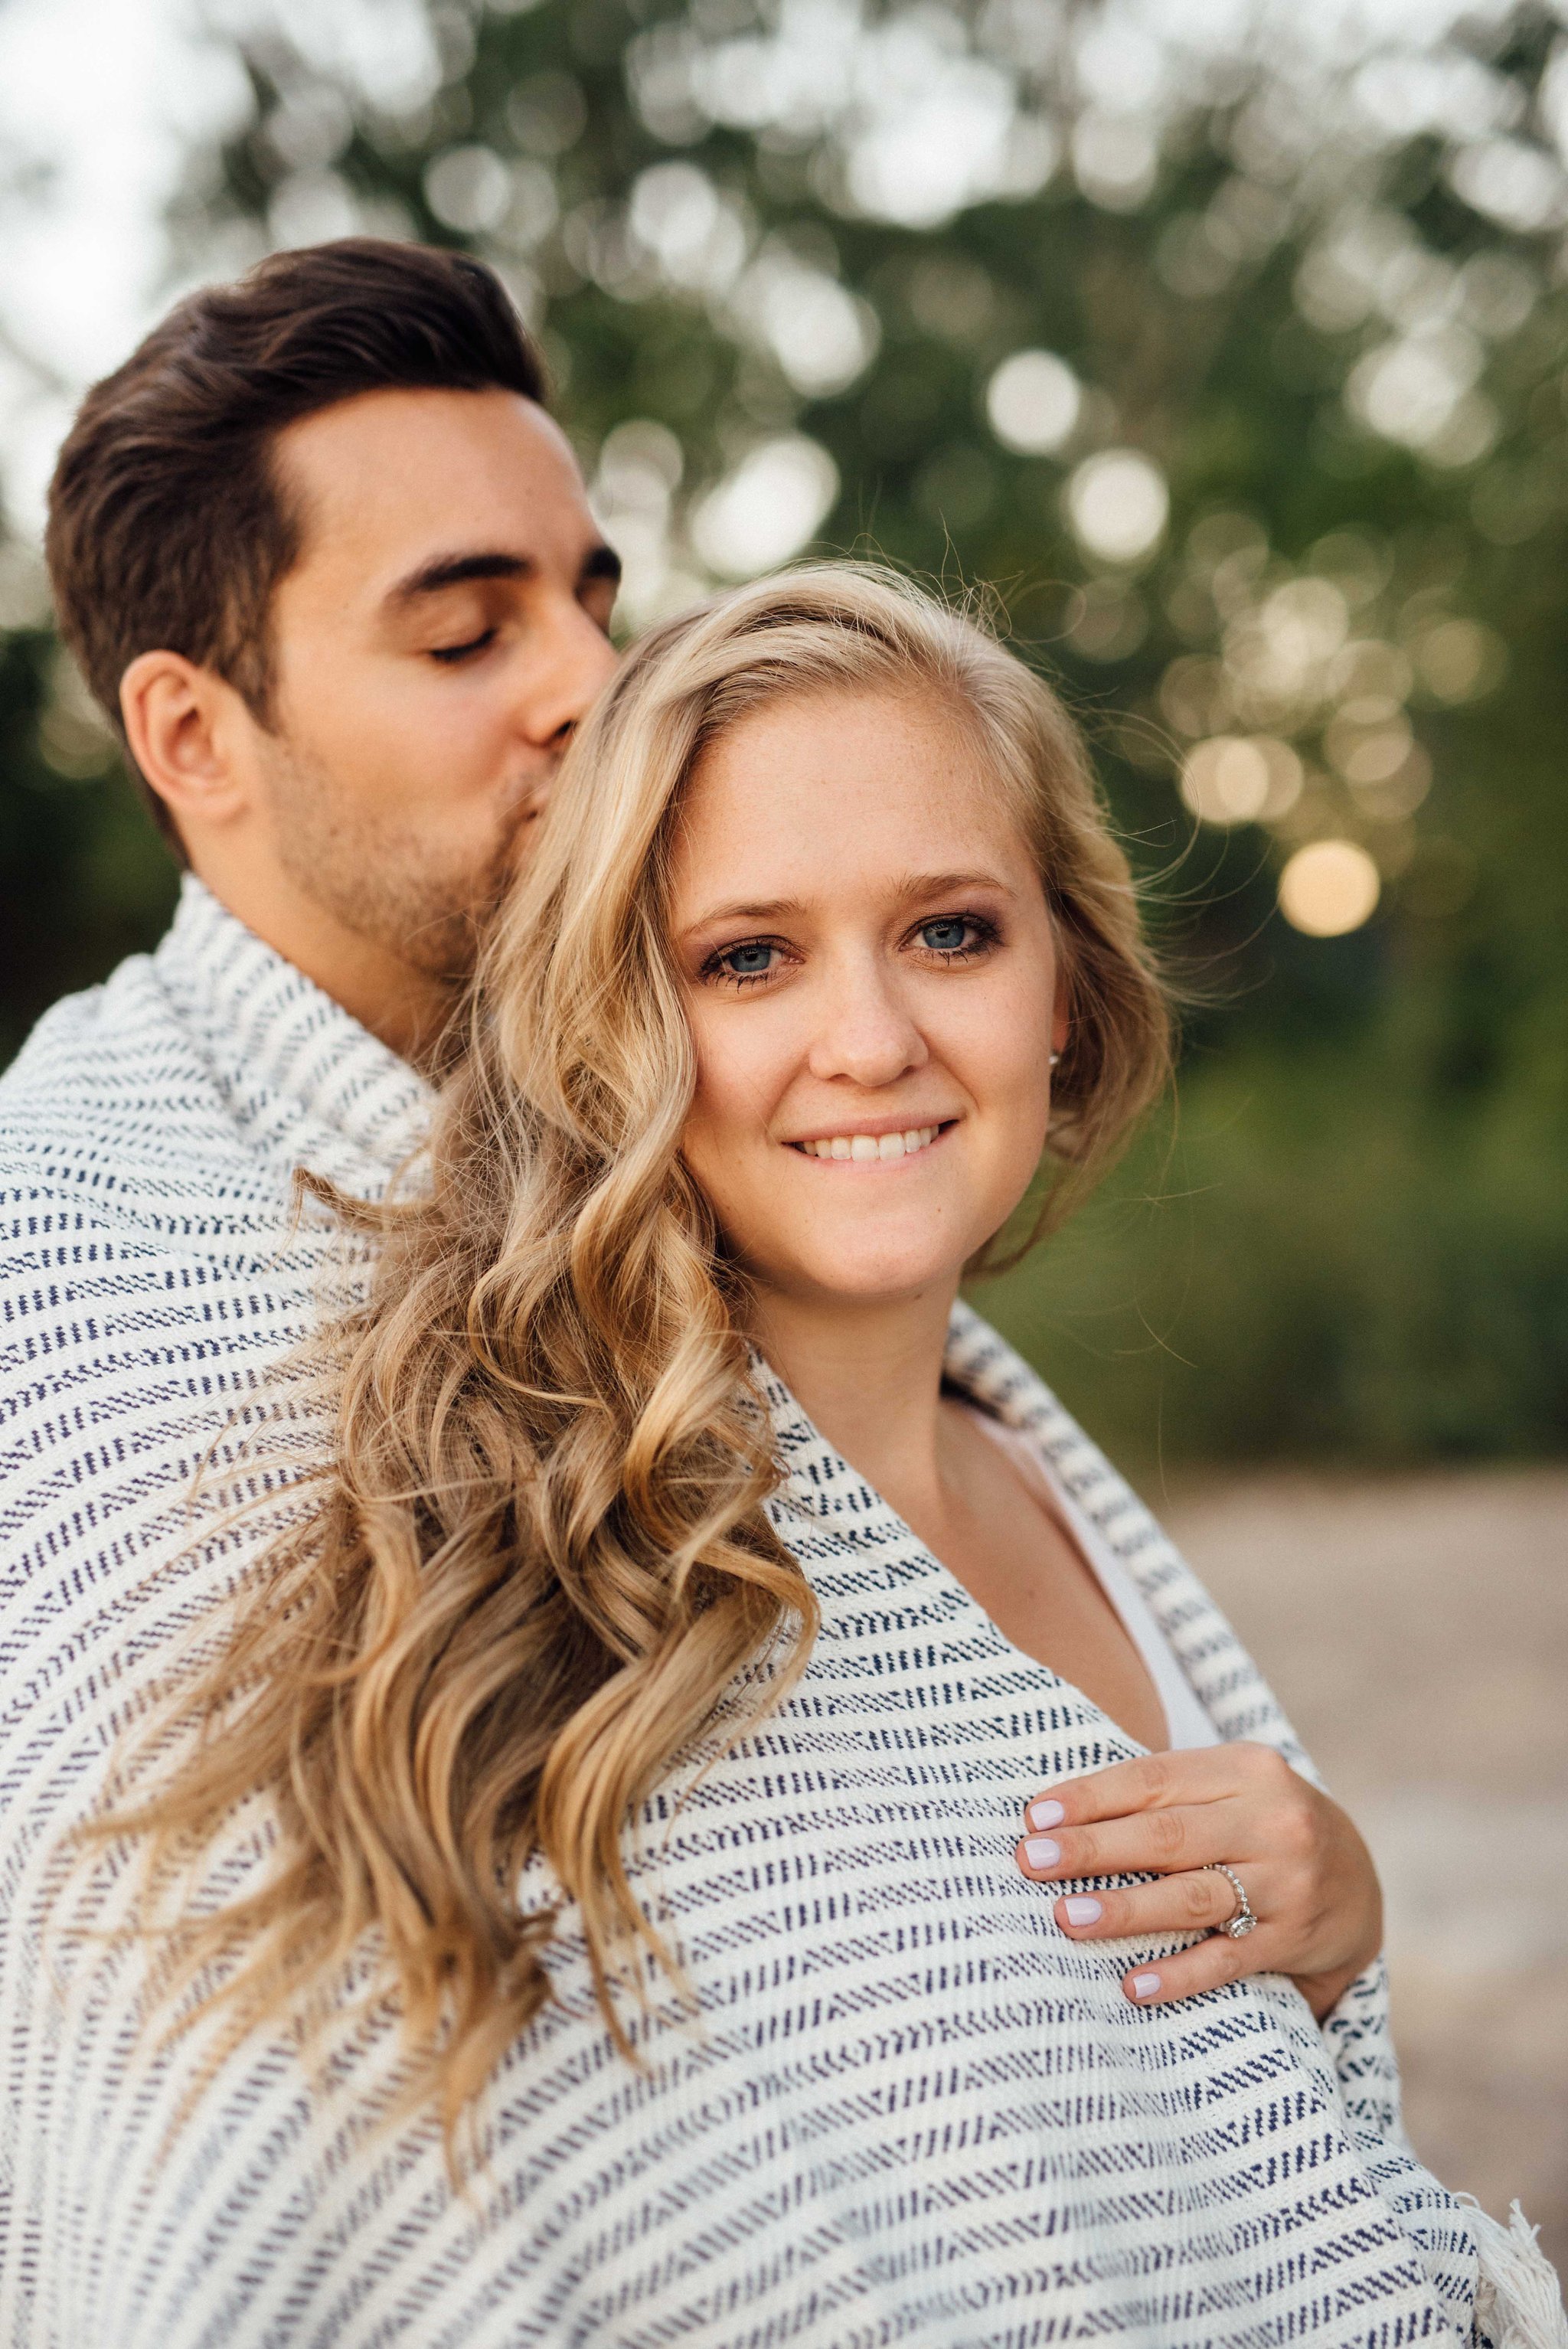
(1041, 1852)
(1082, 1910)
(1045, 1815)
(1145, 1985)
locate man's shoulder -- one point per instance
(110, 1111)
(84, 1023)
(152, 1275)
(95, 1038)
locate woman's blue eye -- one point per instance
(949, 936)
(749, 961)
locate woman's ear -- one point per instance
(180, 721)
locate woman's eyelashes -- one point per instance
(746, 964)
(944, 938)
(957, 937)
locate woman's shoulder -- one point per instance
(979, 1364)
(982, 1366)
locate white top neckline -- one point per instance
(1187, 1724)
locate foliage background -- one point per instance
(1313, 278)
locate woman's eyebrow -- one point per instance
(938, 884)
(772, 909)
(913, 886)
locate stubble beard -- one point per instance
(384, 883)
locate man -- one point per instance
(328, 564)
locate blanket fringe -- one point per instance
(1518, 2300)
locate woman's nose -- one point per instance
(865, 1033)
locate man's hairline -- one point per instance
(290, 502)
(600, 558)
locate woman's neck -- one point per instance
(869, 1377)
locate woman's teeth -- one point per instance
(866, 1147)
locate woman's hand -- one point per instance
(1309, 1877)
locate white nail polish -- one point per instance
(1046, 1814)
(1041, 1852)
(1145, 1985)
(1083, 1910)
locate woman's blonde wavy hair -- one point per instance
(539, 1562)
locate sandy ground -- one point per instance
(1417, 1631)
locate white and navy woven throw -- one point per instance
(906, 2109)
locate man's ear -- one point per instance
(186, 729)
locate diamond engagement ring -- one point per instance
(1241, 1923)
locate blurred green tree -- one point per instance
(83, 878)
(1235, 368)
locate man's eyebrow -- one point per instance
(601, 561)
(456, 570)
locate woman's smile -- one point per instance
(874, 1143)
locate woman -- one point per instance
(825, 944)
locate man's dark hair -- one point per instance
(167, 526)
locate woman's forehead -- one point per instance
(810, 781)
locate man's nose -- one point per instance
(564, 676)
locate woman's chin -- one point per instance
(862, 1277)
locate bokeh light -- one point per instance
(1118, 505)
(1234, 779)
(469, 188)
(767, 508)
(822, 337)
(1459, 660)
(1329, 887)
(1034, 400)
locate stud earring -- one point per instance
(1054, 1059)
